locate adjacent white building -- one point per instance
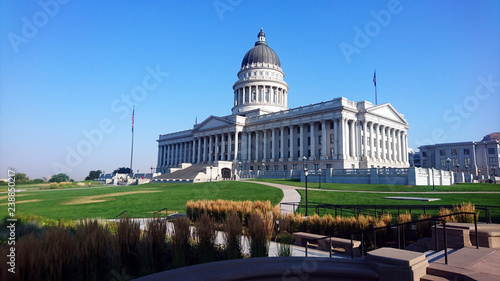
(263, 133)
(474, 157)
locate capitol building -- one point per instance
(263, 133)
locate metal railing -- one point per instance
(399, 226)
(159, 213)
(120, 214)
(378, 210)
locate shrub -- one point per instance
(128, 245)
(445, 212)
(260, 227)
(285, 241)
(424, 229)
(465, 207)
(155, 244)
(206, 234)
(232, 235)
(180, 241)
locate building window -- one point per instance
(260, 73)
(331, 125)
(308, 129)
(298, 141)
(453, 152)
(294, 167)
(309, 153)
(319, 151)
(467, 161)
(319, 127)
(251, 168)
(298, 152)
(466, 151)
(425, 163)
(454, 162)
(328, 166)
(442, 153)
(288, 142)
(491, 150)
(285, 167)
(492, 161)
(443, 162)
(308, 140)
(316, 167)
(332, 152)
(424, 153)
(331, 138)
(319, 139)
(275, 167)
(267, 73)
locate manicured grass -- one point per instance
(158, 196)
(357, 198)
(388, 187)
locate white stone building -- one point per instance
(263, 133)
(474, 157)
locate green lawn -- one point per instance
(357, 198)
(389, 187)
(58, 204)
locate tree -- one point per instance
(59, 178)
(93, 175)
(21, 178)
(122, 170)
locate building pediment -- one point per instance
(386, 110)
(211, 123)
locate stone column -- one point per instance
(185, 148)
(341, 139)
(199, 151)
(273, 144)
(223, 147)
(210, 149)
(205, 149)
(372, 130)
(236, 145)
(249, 147)
(323, 140)
(302, 141)
(264, 145)
(244, 139)
(351, 139)
(384, 156)
(216, 149)
(256, 146)
(393, 151)
(335, 138)
(313, 141)
(282, 143)
(229, 146)
(365, 144)
(292, 149)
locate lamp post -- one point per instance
(448, 160)
(211, 167)
(241, 168)
(319, 175)
(304, 158)
(412, 153)
(458, 166)
(305, 175)
(466, 169)
(494, 169)
(152, 169)
(433, 186)
(263, 167)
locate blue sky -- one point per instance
(70, 71)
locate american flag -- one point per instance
(375, 78)
(133, 111)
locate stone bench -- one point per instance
(338, 244)
(463, 235)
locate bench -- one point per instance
(338, 244)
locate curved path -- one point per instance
(290, 194)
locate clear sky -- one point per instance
(70, 71)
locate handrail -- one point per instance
(433, 219)
(122, 214)
(159, 212)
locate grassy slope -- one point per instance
(389, 187)
(171, 196)
(356, 198)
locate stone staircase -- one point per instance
(464, 264)
(187, 174)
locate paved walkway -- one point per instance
(290, 195)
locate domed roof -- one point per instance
(261, 53)
(492, 137)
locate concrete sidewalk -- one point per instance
(290, 195)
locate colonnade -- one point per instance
(327, 139)
(260, 94)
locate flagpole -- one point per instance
(132, 149)
(375, 83)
